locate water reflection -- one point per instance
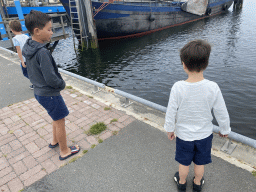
(148, 66)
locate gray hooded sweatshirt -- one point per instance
(42, 69)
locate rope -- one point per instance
(103, 5)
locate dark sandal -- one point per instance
(74, 151)
(198, 188)
(181, 187)
(53, 146)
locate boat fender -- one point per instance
(152, 17)
(208, 11)
(224, 7)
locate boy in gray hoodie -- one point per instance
(43, 74)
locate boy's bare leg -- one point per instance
(61, 137)
(54, 135)
(199, 173)
(183, 173)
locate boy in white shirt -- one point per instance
(19, 40)
(189, 115)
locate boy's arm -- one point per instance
(48, 71)
(171, 111)
(20, 56)
(221, 113)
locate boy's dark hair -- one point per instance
(36, 19)
(15, 25)
(195, 55)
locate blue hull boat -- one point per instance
(45, 9)
(122, 19)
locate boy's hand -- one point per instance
(222, 135)
(171, 135)
(23, 64)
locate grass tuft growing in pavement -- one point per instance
(74, 159)
(11, 131)
(21, 190)
(69, 87)
(114, 132)
(107, 108)
(254, 173)
(100, 140)
(85, 151)
(113, 120)
(93, 146)
(98, 128)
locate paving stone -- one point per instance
(92, 140)
(15, 185)
(30, 162)
(16, 152)
(55, 159)
(41, 143)
(5, 171)
(3, 163)
(42, 131)
(19, 133)
(106, 135)
(19, 167)
(15, 118)
(45, 156)
(31, 139)
(19, 157)
(27, 136)
(113, 127)
(4, 188)
(32, 147)
(7, 121)
(6, 149)
(72, 126)
(30, 173)
(7, 178)
(4, 130)
(84, 144)
(35, 178)
(41, 152)
(15, 144)
(27, 129)
(49, 166)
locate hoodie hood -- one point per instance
(30, 48)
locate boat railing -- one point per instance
(60, 34)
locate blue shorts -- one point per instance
(54, 105)
(198, 151)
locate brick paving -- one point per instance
(26, 131)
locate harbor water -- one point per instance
(148, 66)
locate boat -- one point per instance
(129, 18)
(52, 6)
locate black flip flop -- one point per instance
(53, 146)
(74, 151)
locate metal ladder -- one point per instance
(76, 23)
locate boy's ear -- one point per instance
(36, 31)
(184, 66)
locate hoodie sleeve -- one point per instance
(49, 71)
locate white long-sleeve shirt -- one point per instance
(189, 110)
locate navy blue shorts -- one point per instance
(54, 105)
(198, 151)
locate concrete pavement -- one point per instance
(138, 158)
